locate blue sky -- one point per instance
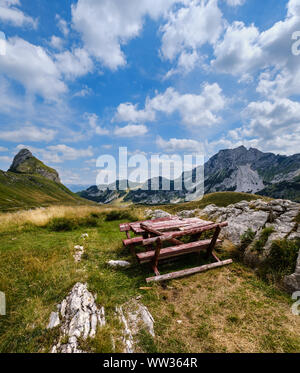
(81, 78)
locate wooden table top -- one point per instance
(169, 224)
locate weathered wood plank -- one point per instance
(188, 272)
(178, 250)
(188, 232)
(149, 229)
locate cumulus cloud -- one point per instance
(245, 50)
(235, 2)
(33, 67)
(59, 153)
(108, 24)
(195, 110)
(188, 28)
(75, 63)
(271, 126)
(93, 123)
(28, 133)
(131, 130)
(56, 42)
(178, 145)
(11, 14)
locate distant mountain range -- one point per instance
(238, 170)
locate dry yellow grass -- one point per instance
(41, 216)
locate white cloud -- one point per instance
(195, 110)
(239, 51)
(56, 42)
(128, 112)
(28, 133)
(108, 24)
(188, 28)
(178, 145)
(245, 50)
(271, 126)
(58, 153)
(62, 25)
(131, 130)
(10, 14)
(93, 123)
(74, 64)
(3, 149)
(235, 2)
(33, 67)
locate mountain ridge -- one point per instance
(235, 170)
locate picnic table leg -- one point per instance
(155, 260)
(213, 242)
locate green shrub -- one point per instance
(70, 224)
(121, 215)
(281, 260)
(61, 224)
(260, 243)
(247, 238)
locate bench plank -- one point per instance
(178, 250)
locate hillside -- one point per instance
(29, 183)
(234, 170)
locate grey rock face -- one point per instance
(134, 317)
(80, 317)
(20, 158)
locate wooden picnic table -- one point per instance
(152, 234)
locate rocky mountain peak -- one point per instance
(25, 163)
(20, 158)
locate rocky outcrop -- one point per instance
(25, 163)
(278, 215)
(79, 318)
(156, 214)
(134, 317)
(256, 215)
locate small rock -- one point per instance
(54, 320)
(119, 263)
(179, 321)
(85, 235)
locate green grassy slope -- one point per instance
(221, 199)
(22, 191)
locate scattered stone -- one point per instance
(85, 235)
(80, 318)
(119, 263)
(134, 317)
(54, 320)
(157, 214)
(78, 254)
(179, 321)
